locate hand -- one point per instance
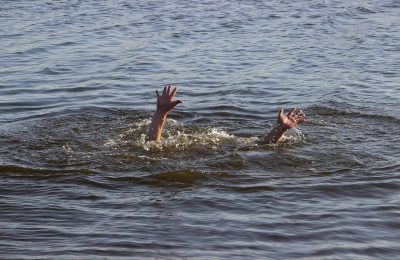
(293, 118)
(165, 102)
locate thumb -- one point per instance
(281, 113)
(176, 102)
(281, 116)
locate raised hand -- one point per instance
(293, 118)
(165, 102)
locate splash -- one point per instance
(176, 137)
(179, 137)
(188, 137)
(292, 136)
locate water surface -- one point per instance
(77, 81)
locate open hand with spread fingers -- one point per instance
(293, 118)
(165, 102)
(284, 122)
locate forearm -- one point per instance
(274, 135)
(156, 126)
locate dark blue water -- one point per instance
(77, 82)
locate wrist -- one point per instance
(160, 113)
(280, 127)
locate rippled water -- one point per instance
(77, 81)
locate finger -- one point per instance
(158, 94)
(300, 120)
(164, 91)
(297, 112)
(297, 117)
(176, 102)
(281, 115)
(291, 112)
(300, 117)
(174, 92)
(169, 90)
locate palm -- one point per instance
(165, 102)
(293, 118)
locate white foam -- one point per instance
(184, 137)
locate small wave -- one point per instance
(179, 176)
(91, 197)
(68, 43)
(35, 50)
(186, 176)
(366, 10)
(48, 71)
(183, 176)
(344, 109)
(41, 173)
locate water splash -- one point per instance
(180, 137)
(292, 136)
(188, 137)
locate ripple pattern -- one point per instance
(77, 81)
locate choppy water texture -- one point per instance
(77, 81)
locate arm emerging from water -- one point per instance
(165, 104)
(293, 118)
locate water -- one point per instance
(77, 81)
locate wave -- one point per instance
(341, 109)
